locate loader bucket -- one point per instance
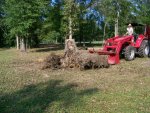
(113, 58)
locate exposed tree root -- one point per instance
(73, 58)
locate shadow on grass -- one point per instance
(52, 47)
(3, 49)
(38, 98)
(57, 47)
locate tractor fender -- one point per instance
(140, 40)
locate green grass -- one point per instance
(25, 88)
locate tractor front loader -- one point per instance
(128, 46)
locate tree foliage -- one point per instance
(51, 21)
(20, 16)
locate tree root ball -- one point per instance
(88, 60)
(52, 61)
(73, 58)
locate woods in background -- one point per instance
(26, 23)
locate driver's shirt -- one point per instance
(130, 31)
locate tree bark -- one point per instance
(17, 42)
(22, 45)
(116, 27)
(70, 28)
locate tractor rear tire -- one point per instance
(144, 49)
(129, 53)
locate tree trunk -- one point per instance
(80, 31)
(83, 42)
(56, 41)
(29, 43)
(26, 43)
(104, 34)
(22, 45)
(70, 28)
(116, 27)
(17, 41)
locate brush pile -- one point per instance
(52, 61)
(74, 58)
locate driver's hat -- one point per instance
(129, 25)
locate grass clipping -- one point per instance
(74, 58)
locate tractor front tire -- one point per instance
(129, 53)
(144, 49)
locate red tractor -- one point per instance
(128, 46)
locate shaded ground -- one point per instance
(36, 98)
(47, 48)
(24, 88)
(58, 47)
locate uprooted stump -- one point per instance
(70, 56)
(73, 58)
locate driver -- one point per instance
(129, 30)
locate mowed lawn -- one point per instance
(25, 88)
